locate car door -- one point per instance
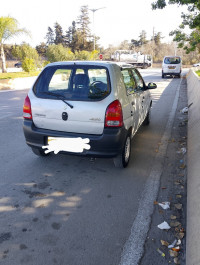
(143, 96)
(133, 98)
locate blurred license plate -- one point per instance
(171, 67)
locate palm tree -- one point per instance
(8, 29)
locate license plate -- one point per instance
(74, 145)
(171, 67)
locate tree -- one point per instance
(24, 51)
(59, 37)
(41, 49)
(8, 29)
(143, 37)
(188, 41)
(157, 38)
(71, 37)
(28, 56)
(50, 36)
(84, 35)
(57, 53)
(124, 45)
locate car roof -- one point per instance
(172, 56)
(97, 63)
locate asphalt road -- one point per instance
(68, 210)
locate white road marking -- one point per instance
(134, 247)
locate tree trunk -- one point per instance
(3, 59)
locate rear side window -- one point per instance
(87, 83)
(129, 81)
(172, 60)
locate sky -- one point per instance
(118, 21)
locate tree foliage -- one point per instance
(191, 41)
(8, 29)
(29, 65)
(24, 51)
(41, 49)
(50, 36)
(28, 55)
(59, 37)
(83, 25)
(77, 37)
(57, 53)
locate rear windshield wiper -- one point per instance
(59, 97)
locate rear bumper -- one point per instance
(108, 144)
(171, 71)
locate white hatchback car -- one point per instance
(172, 65)
(86, 108)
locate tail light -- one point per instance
(27, 113)
(114, 115)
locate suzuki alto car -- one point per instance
(86, 108)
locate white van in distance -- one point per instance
(172, 65)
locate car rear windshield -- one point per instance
(75, 82)
(172, 60)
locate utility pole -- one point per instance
(153, 42)
(94, 10)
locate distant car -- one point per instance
(75, 103)
(196, 64)
(171, 66)
(18, 65)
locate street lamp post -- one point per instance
(94, 10)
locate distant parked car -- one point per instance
(18, 65)
(171, 66)
(196, 64)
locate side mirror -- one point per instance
(151, 86)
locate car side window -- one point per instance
(129, 81)
(138, 79)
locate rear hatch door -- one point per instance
(71, 99)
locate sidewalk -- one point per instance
(172, 189)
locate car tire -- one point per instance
(122, 160)
(163, 75)
(39, 152)
(147, 119)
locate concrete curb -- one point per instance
(193, 172)
(17, 83)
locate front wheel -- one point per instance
(148, 118)
(122, 160)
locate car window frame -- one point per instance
(39, 94)
(128, 90)
(138, 89)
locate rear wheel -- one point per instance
(163, 75)
(122, 160)
(39, 152)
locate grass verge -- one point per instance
(198, 72)
(17, 75)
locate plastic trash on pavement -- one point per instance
(164, 205)
(173, 244)
(184, 110)
(164, 226)
(161, 253)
